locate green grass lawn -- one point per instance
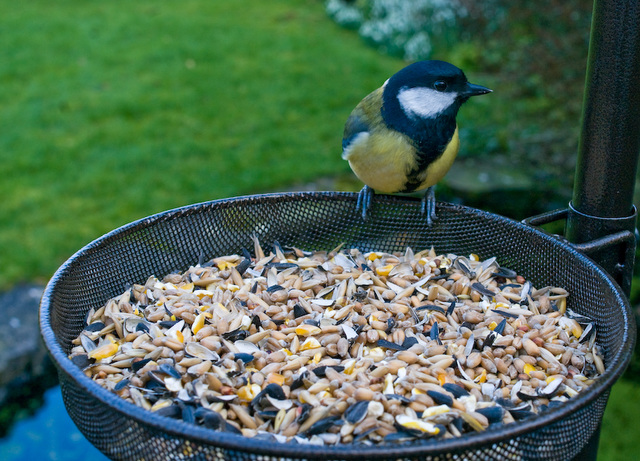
(620, 429)
(112, 111)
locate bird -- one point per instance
(403, 136)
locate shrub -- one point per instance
(399, 27)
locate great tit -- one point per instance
(403, 136)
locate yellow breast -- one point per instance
(382, 159)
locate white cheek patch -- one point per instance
(424, 102)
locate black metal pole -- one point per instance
(602, 204)
(610, 137)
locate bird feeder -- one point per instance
(600, 223)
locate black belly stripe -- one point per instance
(428, 149)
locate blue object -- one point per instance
(50, 434)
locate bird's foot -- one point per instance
(365, 197)
(428, 205)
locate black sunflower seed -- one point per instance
(451, 307)
(299, 311)
(408, 342)
(235, 335)
(171, 411)
(480, 288)
(499, 329)
(440, 398)
(321, 371)
(135, 366)
(246, 358)
(167, 323)
(505, 273)
(324, 425)
(82, 360)
(434, 333)
(356, 412)
(505, 314)
(457, 391)
(430, 307)
(274, 288)
(95, 326)
(494, 414)
(243, 266)
(391, 345)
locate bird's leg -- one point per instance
(428, 205)
(365, 196)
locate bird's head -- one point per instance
(428, 89)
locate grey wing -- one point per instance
(356, 126)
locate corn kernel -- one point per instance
(307, 330)
(187, 286)
(222, 265)
(562, 305)
(203, 293)
(422, 426)
(221, 307)
(349, 366)
(492, 326)
(309, 343)
(376, 353)
(104, 351)
(248, 392)
(276, 378)
(198, 323)
(551, 378)
(384, 270)
(576, 329)
(528, 368)
(109, 337)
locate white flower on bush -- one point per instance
(345, 14)
(403, 27)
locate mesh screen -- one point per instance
(177, 239)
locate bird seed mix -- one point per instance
(341, 347)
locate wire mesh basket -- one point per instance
(174, 240)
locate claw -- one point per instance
(428, 205)
(365, 197)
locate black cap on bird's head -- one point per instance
(427, 89)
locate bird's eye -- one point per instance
(440, 85)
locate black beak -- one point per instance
(475, 90)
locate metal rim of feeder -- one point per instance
(615, 365)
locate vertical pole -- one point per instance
(610, 134)
(609, 145)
